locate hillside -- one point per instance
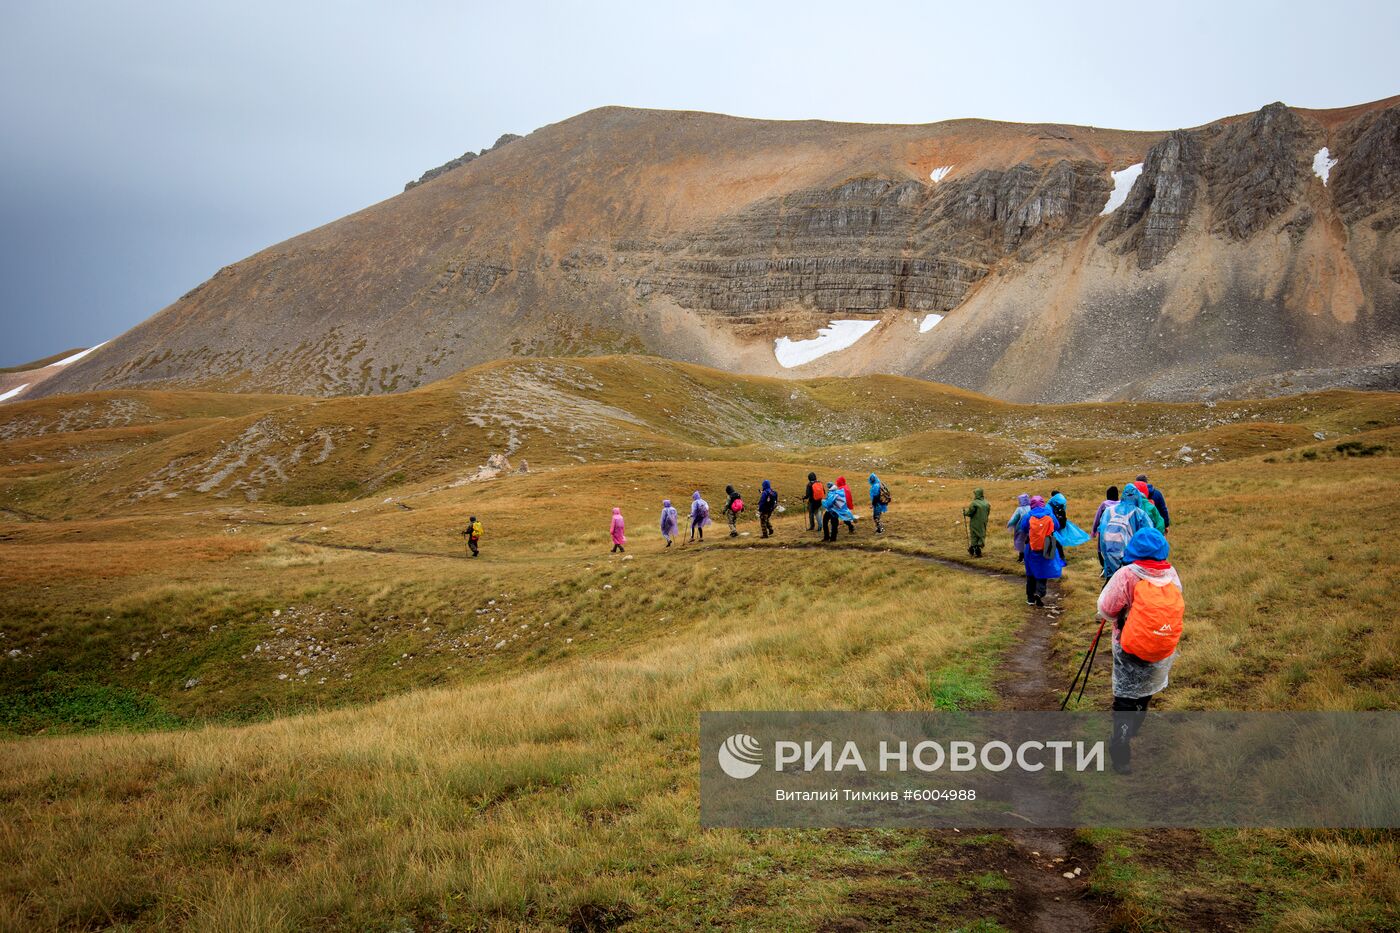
(252, 681)
(150, 450)
(1254, 255)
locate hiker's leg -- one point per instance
(1030, 587)
(1128, 713)
(1133, 709)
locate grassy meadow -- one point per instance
(252, 681)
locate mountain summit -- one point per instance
(1033, 262)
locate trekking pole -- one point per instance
(1085, 666)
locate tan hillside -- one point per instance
(146, 450)
(1230, 265)
(253, 682)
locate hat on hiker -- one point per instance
(1147, 544)
(1037, 502)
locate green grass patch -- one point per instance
(73, 705)
(959, 689)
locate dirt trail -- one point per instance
(1051, 902)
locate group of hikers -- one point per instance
(832, 503)
(1140, 592)
(1140, 595)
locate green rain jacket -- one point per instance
(977, 513)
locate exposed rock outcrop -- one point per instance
(1153, 217)
(873, 243)
(1255, 169)
(1367, 178)
(461, 160)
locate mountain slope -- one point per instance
(1230, 263)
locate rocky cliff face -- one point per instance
(1154, 216)
(873, 244)
(703, 237)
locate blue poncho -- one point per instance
(1042, 568)
(1071, 535)
(835, 503)
(876, 505)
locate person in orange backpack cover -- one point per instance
(1042, 557)
(1143, 600)
(813, 495)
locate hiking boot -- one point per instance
(1030, 602)
(1040, 602)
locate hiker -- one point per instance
(767, 502)
(1042, 558)
(1144, 602)
(670, 521)
(732, 509)
(977, 513)
(618, 538)
(813, 494)
(1070, 535)
(836, 512)
(1155, 496)
(473, 536)
(1018, 538)
(1149, 507)
(699, 515)
(1121, 522)
(846, 491)
(1110, 497)
(879, 502)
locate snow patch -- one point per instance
(1122, 184)
(13, 392)
(77, 356)
(927, 324)
(1323, 163)
(939, 173)
(839, 336)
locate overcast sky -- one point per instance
(144, 145)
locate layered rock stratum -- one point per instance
(1231, 265)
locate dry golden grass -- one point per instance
(504, 803)
(429, 779)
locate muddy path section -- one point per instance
(1049, 868)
